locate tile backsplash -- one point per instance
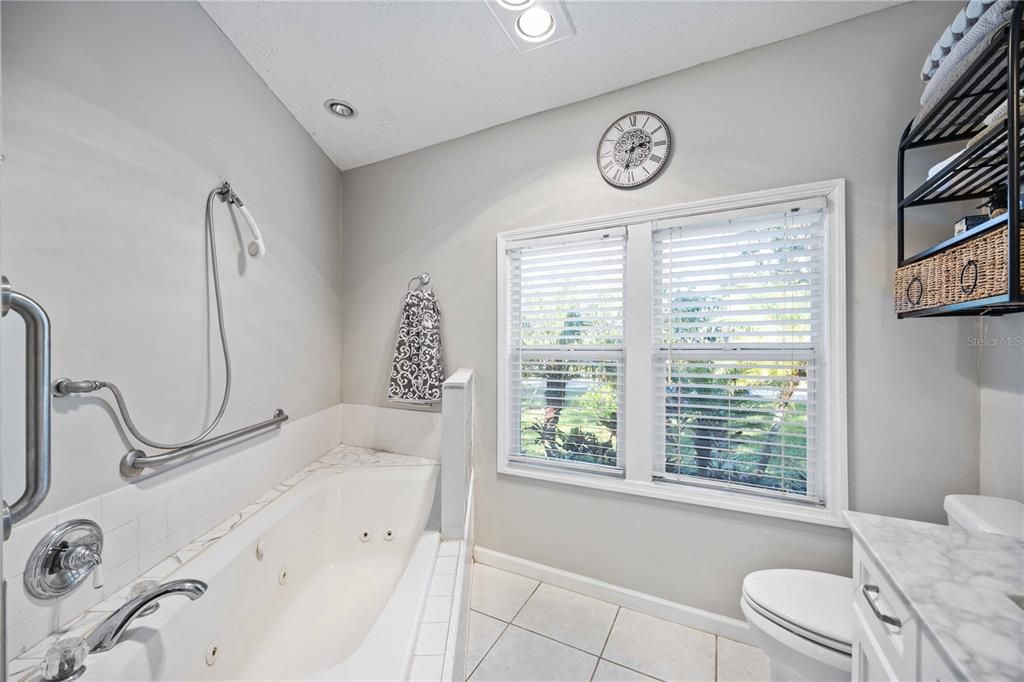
(145, 522)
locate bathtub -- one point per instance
(337, 595)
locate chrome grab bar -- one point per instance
(135, 462)
(37, 404)
(884, 617)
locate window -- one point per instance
(565, 348)
(693, 353)
(738, 306)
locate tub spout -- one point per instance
(109, 632)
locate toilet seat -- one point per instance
(811, 605)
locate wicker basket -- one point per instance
(972, 270)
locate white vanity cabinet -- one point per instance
(888, 645)
(935, 603)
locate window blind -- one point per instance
(738, 330)
(565, 349)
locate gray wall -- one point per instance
(119, 118)
(1002, 407)
(828, 104)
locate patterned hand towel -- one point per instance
(418, 368)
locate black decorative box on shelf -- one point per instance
(977, 272)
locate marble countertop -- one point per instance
(957, 585)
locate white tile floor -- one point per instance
(521, 629)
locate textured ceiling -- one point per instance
(425, 72)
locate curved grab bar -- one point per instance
(37, 405)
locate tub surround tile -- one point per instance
(121, 506)
(91, 509)
(77, 603)
(741, 662)
(483, 633)
(153, 527)
(442, 585)
(151, 556)
(437, 632)
(426, 668)
(569, 617)
(449, 548)
(522, 655)
(212, 536)
(118, 576)
(437, 610)
(446, 565)
(660, 649)
(121, 544)
(431, 639)
(23, 670)
(20, 605)
(268, 497)
(957, 585)
(81, 611)
(498, 593)
(19, 546)
(612, 672)
(179, 515)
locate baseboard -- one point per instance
(689, 616)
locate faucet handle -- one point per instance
(86, 558)
(64, 558)
(65, 660)
(144, 587)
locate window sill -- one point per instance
(674, 492)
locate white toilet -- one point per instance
(804, 619)
(981, 514)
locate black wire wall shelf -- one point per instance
(977, 272)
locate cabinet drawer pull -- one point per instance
(885, 618)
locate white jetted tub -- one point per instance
(337, 595)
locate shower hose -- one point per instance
(65, 387)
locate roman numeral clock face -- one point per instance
(634, 149)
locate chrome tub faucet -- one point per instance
(109, 632)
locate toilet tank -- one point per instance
(981, 514)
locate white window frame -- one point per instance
(638, 423)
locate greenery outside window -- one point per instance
(738, 313)
(693, 353)
(565, 349)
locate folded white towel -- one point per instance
(999, 113)
(945, 162)
(952, 64)
(961, 25)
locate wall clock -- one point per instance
(634, 150)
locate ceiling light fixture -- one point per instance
(340, 109)
(515, 5)
(531, 24)
(535, 25)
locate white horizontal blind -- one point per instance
(565, 349)
(737, 329)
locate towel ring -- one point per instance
(424, 280)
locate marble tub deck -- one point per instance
(25, 668)
(958, 586)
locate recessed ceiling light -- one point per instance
(515, 5)
(340, 109)
(535, 25)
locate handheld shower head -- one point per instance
(256, 247)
